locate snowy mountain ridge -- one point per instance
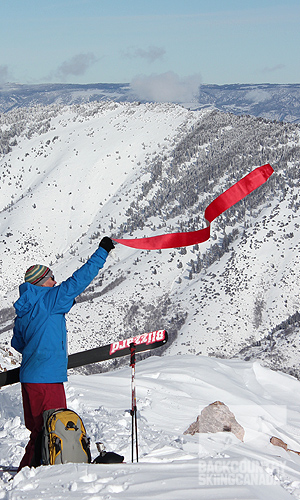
(279, 102)
(72, 174)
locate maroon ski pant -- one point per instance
(36, 399)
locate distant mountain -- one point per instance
(275, 102)
(16, 96)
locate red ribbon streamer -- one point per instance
(226, 200)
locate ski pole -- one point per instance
(133, 411)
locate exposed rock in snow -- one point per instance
(216, 417)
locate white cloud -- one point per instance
(272, 69)
(76, 66)
(151, 54)
(166, 87)
(4, 74)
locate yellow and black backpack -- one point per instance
(64, 438)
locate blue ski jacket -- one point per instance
(40, 333)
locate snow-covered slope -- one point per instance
(70, 175)
(171, 392)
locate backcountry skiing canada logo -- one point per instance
(144, 338)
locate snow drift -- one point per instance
(171, 392)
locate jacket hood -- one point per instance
(29, 295)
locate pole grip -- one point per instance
(132, 354)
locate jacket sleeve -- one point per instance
(17, 341)
(60, 299)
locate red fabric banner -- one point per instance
(226, 200)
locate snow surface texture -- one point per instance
(171, 392)
(70, 175)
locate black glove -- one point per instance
(107, 244)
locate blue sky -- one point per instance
(118, 41)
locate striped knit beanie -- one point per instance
(38, 275)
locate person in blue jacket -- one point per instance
(40, 335)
